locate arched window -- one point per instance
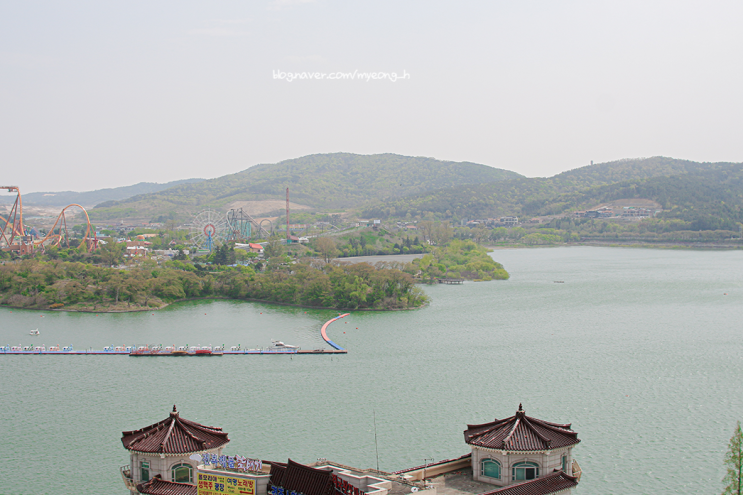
(182, 473)
(524, 471)
(144, 471)
(490, 468)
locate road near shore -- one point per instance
(402, 258)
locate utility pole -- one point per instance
(376, 445)
(424, 469)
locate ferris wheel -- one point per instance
(206, 228)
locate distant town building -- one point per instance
(600, 213)
(166, 252)
(136, 249)
(630, 211)
(509, 221)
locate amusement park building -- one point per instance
(519, 455)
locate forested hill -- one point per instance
(336, 180)
(630, 169)
(92, 198)
(708, 199)
(553, 195)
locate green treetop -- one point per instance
(734, 463)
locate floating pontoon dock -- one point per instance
(135, 351)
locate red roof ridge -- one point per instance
(294, 476)
(507, 440)
(534, 430)
(564, 429)
(159, 486)
(556, 481)
(180, 436)
(494, 422)
(191, 435)
(214, 429)
(521, 433)
(167, 435)
(146, 431)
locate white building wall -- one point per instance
(164, 464)
(547, 461)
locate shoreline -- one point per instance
(215, 298)
(701, 246)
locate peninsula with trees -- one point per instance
(437, 215)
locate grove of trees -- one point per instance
(74, 285)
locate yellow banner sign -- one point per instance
(212, 484)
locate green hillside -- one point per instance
(541, 196)
(328, 181)
(710, 199)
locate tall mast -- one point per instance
(287, 215)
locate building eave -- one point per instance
(511, 452)
(172, 454)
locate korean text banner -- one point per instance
(211, 484)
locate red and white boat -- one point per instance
(203, 351)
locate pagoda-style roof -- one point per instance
(520, 433)
(554, 482)
(174, 435)
(297, 477)
(158, 486)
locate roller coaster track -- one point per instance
(90, 243)
(261, 230)
(14, 221)
(12, 227)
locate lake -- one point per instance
(641, 350)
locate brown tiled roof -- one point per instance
(294, 476)
(174, 435)
(158, 486)
(521, 433)
(277, 473)
(552, 483)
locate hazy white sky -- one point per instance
(102, 94)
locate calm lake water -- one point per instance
(641, 350)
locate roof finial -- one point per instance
(175, 411)
(520, 408)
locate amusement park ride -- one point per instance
(210, 226)
(16, 237)
(206, 228)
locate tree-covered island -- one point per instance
(85, 287)
(301, 275)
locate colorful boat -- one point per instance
(203, 351)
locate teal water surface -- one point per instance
(641, 350)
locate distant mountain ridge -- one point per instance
(92, 198)
(541, 196)
(703, 196)
(323, 181)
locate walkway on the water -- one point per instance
(325, 335)
(250, 352)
